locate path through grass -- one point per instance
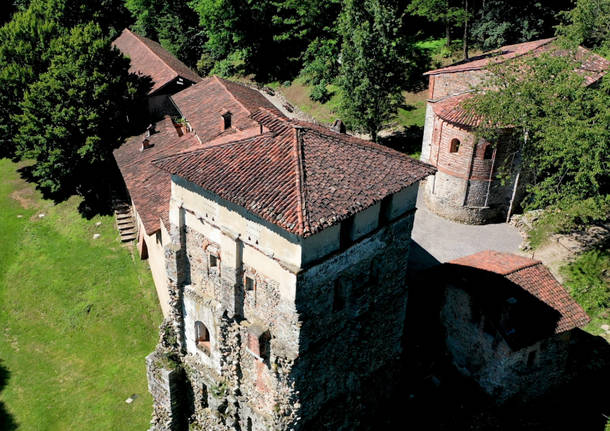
(77, 317)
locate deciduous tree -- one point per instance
(374, 63)
(562, 125)
(72, 117)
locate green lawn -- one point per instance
(78, 315)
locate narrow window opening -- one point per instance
(489, 152)
(385, 210)
(249, 425)
(202, 337)
(264, 343)
(204, 396)
(339, 295)
(345, 235)
(531, 358)
(455, 145)
(250, 283)
(213, 261)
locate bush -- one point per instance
(588, 279)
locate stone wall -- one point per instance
(480, 352)
(447, 84)
(352, 311)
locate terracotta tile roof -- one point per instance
(499, 55)
(532, 276)
(203, 104)
(151, 59)
(299, 176)
(593, 66)
(450, 109)
(150, 187)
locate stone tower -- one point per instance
(286, 270)
(467, 186)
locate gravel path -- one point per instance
(439, 240)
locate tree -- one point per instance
(439, 11)
(24, 55)
(588, 24)
(503, 22)
(172, 23)
(562, 127)
(374, 64)
(72, 117)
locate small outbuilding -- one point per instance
(508, 323)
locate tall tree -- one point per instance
(439, 11)
(501, 22)
(589, 24)
(374, 63)
(24, 55)
(173, 23)
(72, 117)
(239, 37)
(562, 127)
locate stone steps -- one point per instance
(124, 220)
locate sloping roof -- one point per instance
(204, 103)
(299, 176)
(593, 66)
(150, 187)
(532, 276)
(151, 59)
(498, 56)
(450, 109)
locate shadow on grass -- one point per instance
(7, 422)
(95, 189)
(406, 141)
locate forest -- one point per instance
(65, 92)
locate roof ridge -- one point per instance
(221, 81)
(218, 145)
(544, 42)
(302, 214)
(525, 266)
(139, 37)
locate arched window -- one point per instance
(202, 337)
(454, 147)
(489, 152)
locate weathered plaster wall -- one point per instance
(156, 259)
(488, 359)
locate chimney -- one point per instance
(338, 127)
(145, 144)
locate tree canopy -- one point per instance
(72, 116)
(563, 126)
(373, 66)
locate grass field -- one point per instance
(78, 315)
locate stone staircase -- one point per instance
(124, 219)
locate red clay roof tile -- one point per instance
(151, 59)
(299, 176)
(535, 278)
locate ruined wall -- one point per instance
(352, 309)
(486, 357)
